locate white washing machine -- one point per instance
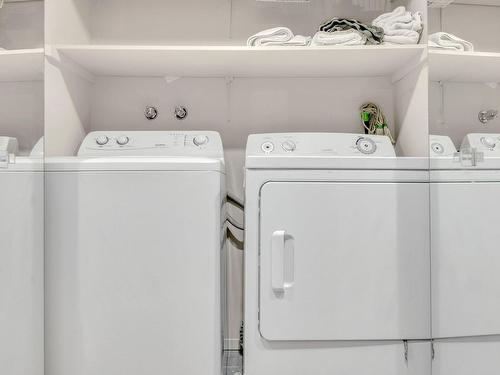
(465, 193)
(337, 272)
(134, 245)
(21, 261)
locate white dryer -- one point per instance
(336, 256)
(465, 199)
(21, 261)
(134, 238)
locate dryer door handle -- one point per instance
(281, 262)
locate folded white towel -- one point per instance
(400, 26)
(278, 36)
(449, 41)
(401, 39)
(345, 37)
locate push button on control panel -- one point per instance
(289, 146)
(437, 148)
(366, 145)
(267, 147)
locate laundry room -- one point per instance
(124, 65)
(257, 187)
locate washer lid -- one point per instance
(325, 151)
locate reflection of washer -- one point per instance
(336, 248)
(21, 261)
(133, 255)
(465, 193)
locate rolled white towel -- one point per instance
(448, 41)
(345, 37)
(274, 36)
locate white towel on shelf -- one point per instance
(278, 36)
(345, 38)
(400, 26)
(448, 41)
(401, 39)
(402, 36)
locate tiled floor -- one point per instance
(233, 363)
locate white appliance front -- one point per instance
(133, 265)
(21, 263)
(339, 262)
(465, 238)
(336, 258)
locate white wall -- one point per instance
(240, 107)
(21, 112)
(21, 25)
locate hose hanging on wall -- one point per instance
(374, 121)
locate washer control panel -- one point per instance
(152, 143)
(320, 144)
(441, 146)
(489, 144)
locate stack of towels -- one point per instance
(400, 26)
(397, 27)
(278, 36)
(449, 42)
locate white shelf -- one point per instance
(464, 66)
(221, 61)
(21, 65)
(478, 2)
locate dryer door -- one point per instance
(344, 261)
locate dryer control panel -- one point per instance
(489, 144)
(320, 144)
(152, 143)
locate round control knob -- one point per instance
(267, 147)
(289, 146)
(366, 146)
(200, 140)
(488, 142)
(123, 140)
(102, 140)
(437, 148)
